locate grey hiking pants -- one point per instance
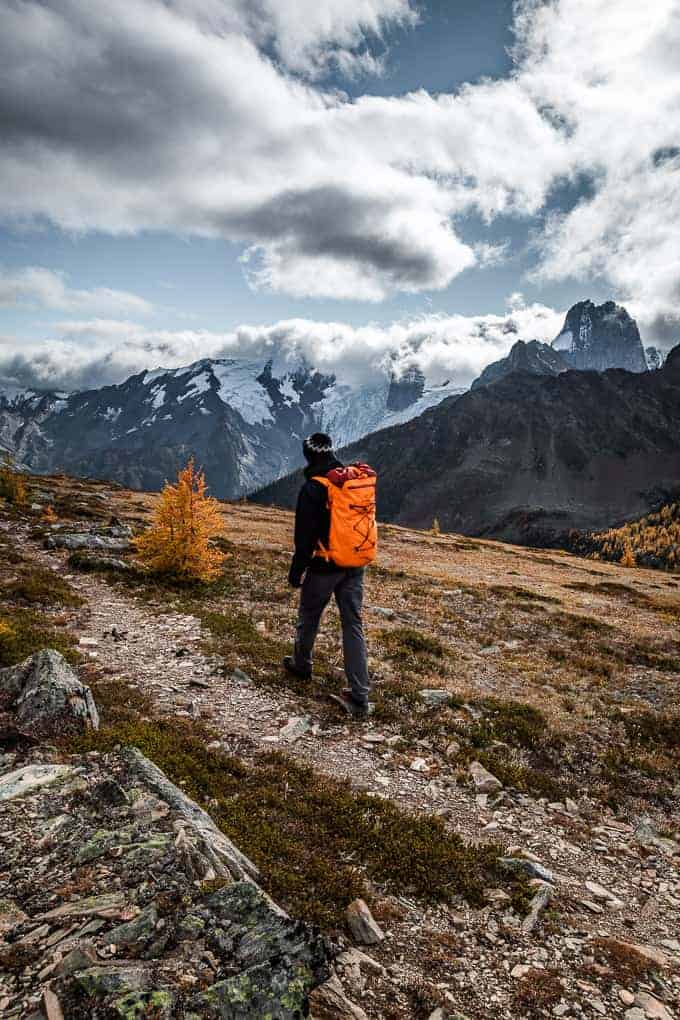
(348, 588)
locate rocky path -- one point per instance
(610, 878)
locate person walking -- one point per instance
(335, 539)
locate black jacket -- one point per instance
(312, 521)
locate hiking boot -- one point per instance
(352, 707)
(290, 667)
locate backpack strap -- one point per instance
(321, 550)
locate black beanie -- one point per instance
(316, 444)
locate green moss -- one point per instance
(40, 586)
(25, 631)
(525, 778)
(513, 722)
(653, 729)
(412, 650)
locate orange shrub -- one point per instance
(184, 525)
(12, 483)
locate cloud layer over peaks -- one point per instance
(88, 354)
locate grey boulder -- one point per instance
(46, 695)
(86, 540)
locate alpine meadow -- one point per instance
(339, 510)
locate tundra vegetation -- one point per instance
(557, 674)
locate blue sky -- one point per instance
(399, 166)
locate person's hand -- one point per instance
(295, 580)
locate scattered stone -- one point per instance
(483, 780)
(29, 778)
(87, 540)
(655, 956)
(647, 836)
(51, 1005)
(105, 905)
(329, 1002)
(419, 765)
(520, 970)
(626, 997)
(355, 957)
(240, 677)
(452, 749)
(600, 893)
(538, 904)
(78, 959)
(46, 695)
(434, 697)
(362, 924)
(653, 1008)
(531, 868)
(295, 728)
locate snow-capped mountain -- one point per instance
(243, 421)
(22, 413)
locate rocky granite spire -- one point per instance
(598, 337)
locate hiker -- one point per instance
(335, 538)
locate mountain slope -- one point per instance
(530, 457)
(535, 357)
(243, 421)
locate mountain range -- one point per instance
(243, 421)
(531, 456)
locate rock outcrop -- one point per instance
(46, 697)
(598, 337)
(533, 357)
(119, 897)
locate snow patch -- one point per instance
(240, 390)
(564, 342)
(158, 397)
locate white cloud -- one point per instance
(347, 198)
(307, 36)
(618, 93)
(98, 352)
(332, 195)
(37, 286)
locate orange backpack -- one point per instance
(353, 536)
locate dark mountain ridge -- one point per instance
(530, 457)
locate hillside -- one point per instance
(242, 420)
(558, 676)
(531, 457)
(651, 541)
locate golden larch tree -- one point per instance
(184, 525)
(628, 558)
(12, 482)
